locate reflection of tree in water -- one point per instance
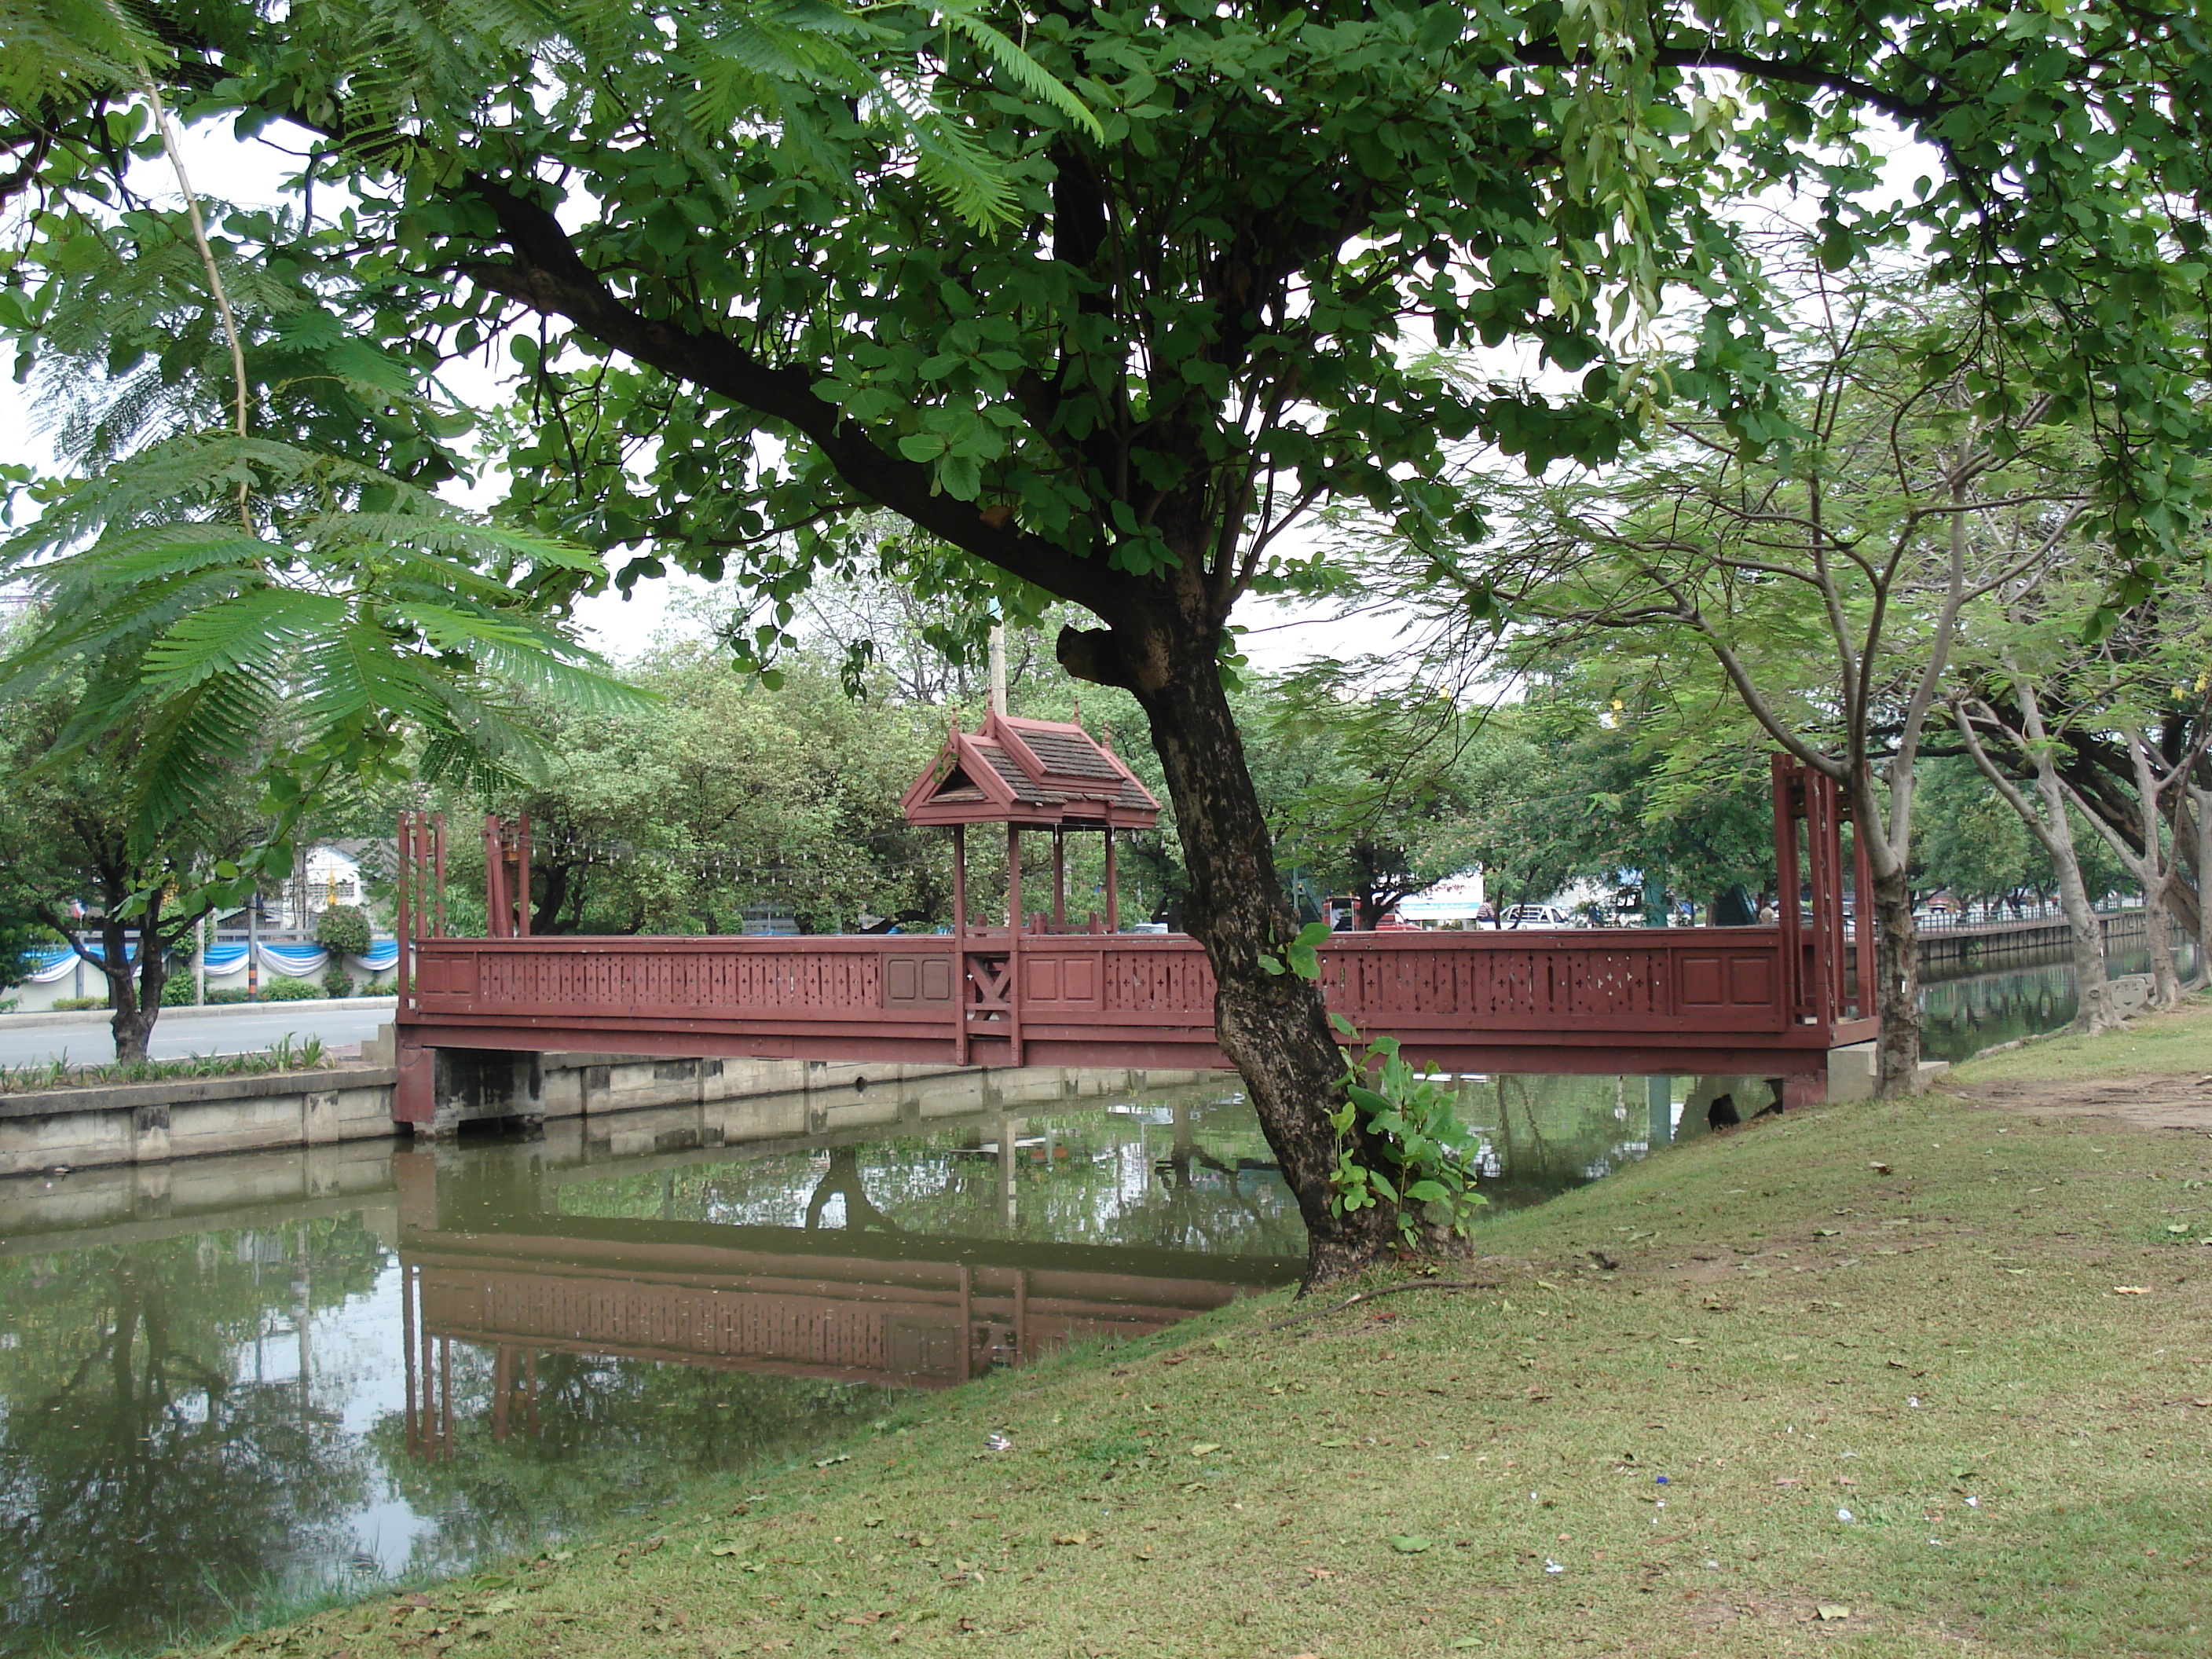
(146, 1475)
(1962, 1015)
(842, 1179)
(614, 1436)
(1086, 1176)
(1543, 1135)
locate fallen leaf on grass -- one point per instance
(1072, 1538)
(1319, 1573)
(1205, 1448)
(1409, 1545)
(2130, 1289)
(1831, 1610)
(1879, 1167)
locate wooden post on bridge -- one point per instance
(1058, 877)
(1014, 942)
(497, 912)
(1113, 898)
(959, 945)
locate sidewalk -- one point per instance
(40, 1016)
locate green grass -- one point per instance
(1232, 1488)
(2175, 1042)
(58, 1073)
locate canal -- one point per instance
(230, 1385)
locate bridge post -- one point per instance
(414, 1094)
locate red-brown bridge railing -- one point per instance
(1758, 1001)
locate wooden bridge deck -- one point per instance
(1673, 1000)
(1768, 1000)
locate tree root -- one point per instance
(1376, 1296)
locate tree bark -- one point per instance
(2200, 805)
(1898, 957)
(2084, 938)
(2158, 936)
(134, 992)
(2046, 820)
(1273, 1027)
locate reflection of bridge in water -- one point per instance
(505, 1271)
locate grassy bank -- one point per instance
(1977, 1335)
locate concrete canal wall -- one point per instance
(1970, 947)
(624, 1104)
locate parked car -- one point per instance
(1537, 915)
(1395, 923)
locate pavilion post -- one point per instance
(438, 875)
(1014, 945)
(959, 945)
(496, 906)
(1787, 878)
(1863, 920)
(1058, 878)
(522, 877)
(404, 931)
(959, 880)
(1113, 898)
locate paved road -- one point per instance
(179, 1032)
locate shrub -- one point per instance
(343, 930)
(78, 1005)
(336, 982)
(290, 990)
(223, 999)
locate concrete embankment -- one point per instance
(2003, 941)
(625, 1104)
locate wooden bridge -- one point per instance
(1770, 1000)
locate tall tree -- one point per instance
(1825, 566)
(744, 314)
(74, 858)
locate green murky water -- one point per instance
(230, 1383)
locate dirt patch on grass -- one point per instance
(2150, 1103)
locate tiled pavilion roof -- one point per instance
(1032, 773)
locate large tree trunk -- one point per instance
(132, 1023)
(2199, 845)
(2158, 939)
(2084, 929)
(1273, 1027)
(1897, 1002)
(2085, 936)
